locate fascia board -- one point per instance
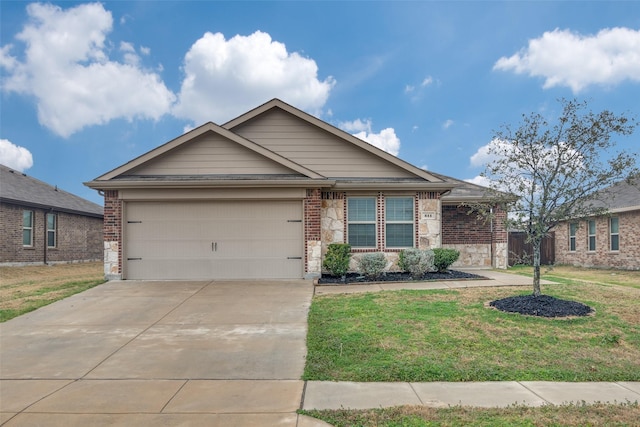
(122, 184)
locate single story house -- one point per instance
(42, 224)
(606, 241)
(263, 195)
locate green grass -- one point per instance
(42, 296)
(451, 336)
(516, 416)
(570, 274)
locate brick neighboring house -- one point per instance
(42, 224)
(607, 241)
(263, 196)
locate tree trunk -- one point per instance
(536, 267)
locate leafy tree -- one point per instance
(555, 168)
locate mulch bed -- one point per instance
(543, 306)
(355, 278)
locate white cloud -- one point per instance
(479, 180)
(224, 78)
(356, 125)
(67, 70)
(565, 58)
(427, 81)
(385, 140)
(14, 156)
(486, 153)
(447, 124)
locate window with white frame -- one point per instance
(614, 235)
(361, 222)
(399, 222)
(52, 222)
(591, 235)
(573, 228)
(27, 228)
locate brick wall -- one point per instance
(78, 237)
(482, 243)
(112, 234)
(312, 231)
(627, 257)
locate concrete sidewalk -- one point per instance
(351, 395)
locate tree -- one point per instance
(555, 169)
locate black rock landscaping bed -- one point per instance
(543, 306)
(355, 278)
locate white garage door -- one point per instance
(213, 240)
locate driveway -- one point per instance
(159, 353)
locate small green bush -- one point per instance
(415, 261)
(443, 258)
(336, 261)
(372, 265)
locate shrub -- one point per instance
(444, 258)
(415, 261)
(336, 261)
(372, 265)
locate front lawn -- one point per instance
(24, 289)
(517, 416)
(452, 336)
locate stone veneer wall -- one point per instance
(627, 257)
(112, 235)
(333, 224)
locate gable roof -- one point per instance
(159, 167)
(620, 197)
(20, 189)
(347, 137)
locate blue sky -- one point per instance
(85, 87)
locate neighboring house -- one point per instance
(607, 241)
(263, 195)
(42, 224)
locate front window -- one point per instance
(573, 227)
(361, 222)
(591, 230)
(614, 236)
(399, 232)
(27, 228)
(51, 230)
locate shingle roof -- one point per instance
(621, 196)
(19, 188)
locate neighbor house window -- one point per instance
(399, 222)
(591, 235)
(361, 222)
(614, 236)
(51, 230)
(573, 228)
(27, 228)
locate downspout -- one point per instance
(491, 251)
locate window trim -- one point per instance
(589, 235)
(617, 234)
(53, 230)
(374, 222)
(573, 231)
(28, 228)
(411, 222)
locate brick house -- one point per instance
(42, 224)
(606, 241)
(263, 195)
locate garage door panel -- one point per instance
(208, 240)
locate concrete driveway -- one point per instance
(159, 353)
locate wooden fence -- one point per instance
(521, 252)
